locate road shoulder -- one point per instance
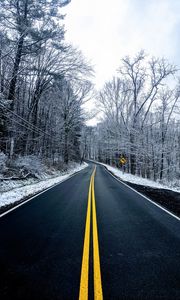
(12, 199)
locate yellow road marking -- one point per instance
(98, 295)
(83, 293)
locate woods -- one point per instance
(43, 82)
(140, 119)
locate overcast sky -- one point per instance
(106, 31)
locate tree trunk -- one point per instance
(12, 87)
(66, 154)
(132, 155)
(162, 165)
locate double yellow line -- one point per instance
(83, 293)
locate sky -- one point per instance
(106, 31)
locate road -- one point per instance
(90, 237)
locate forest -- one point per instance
(139, 119)
(46, 84)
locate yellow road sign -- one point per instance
(122, 160)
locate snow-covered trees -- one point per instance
(139, 118)
(29, 25)
(43, 82)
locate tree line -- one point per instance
(43, 82)
(140, 119)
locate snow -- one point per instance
(139, 180)
(19, 193)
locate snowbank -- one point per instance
(139, 180)
(19, 193)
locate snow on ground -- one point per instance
(19, 193)
(141, 181)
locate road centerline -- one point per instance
(83, 293)
(84, 280)
(98, 295)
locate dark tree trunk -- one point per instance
(12, 87)
(162, 165)
(66, 154)
(132, 155)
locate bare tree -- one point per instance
(138, 108)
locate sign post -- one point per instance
(122, 161)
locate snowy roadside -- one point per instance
(18, 194)
(142, 181)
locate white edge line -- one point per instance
(39, 193)
(167, 211)
(119, 180)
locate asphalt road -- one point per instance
(50, 245)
